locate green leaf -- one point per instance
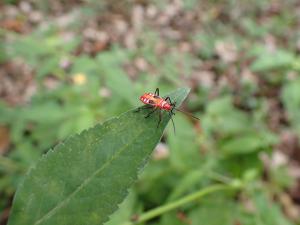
(268, 211)
(290, 96)
(82, 180)
(222, 117)
(215, 210)
(48, 66)
(116, 79)
(247, 143)
(266, 61)
(86, 65)
(185, 139)
(124, 212)
(3, 54)
(186, 183)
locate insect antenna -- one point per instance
(171, 116)
(188, 114)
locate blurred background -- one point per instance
(67, 65)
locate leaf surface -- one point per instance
(82, 180)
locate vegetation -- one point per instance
(68, 66)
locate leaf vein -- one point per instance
(86, 181)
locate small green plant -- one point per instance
(82, 180)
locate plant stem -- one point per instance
(173, 205)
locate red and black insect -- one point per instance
(156, 102)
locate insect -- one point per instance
(156, 102)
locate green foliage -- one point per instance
(267, 60)
(291, 99)
(217, 205)
(3, 56)
(84, 177)
(268, 213)
(246, 104)
(183, 140)
(43, 50)
(116, 79)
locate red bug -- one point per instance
(156, 102)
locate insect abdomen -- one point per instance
(146, 100)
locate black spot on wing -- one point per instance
(151, 102)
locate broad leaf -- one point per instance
(82, 180)
(247, 143)
(115, 78)
(290, 96)
(266, 61)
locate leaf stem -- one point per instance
(173, 205)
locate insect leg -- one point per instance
(173, 104)
(143, 107)
(156, 91)
(138, 109)
(168, 99)
(172, 121)
(151, 112)
(172, 111)
(148, 107)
